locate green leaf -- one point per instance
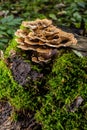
(15, 22)
(77, 25)
(82, 4)
(2, 46)
(10, 20)
(77, 16)
(53, 16)
(2, 28)
(10, 31)
(7, 19)
(3, 33)
(4, 40)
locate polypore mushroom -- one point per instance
(43, 39)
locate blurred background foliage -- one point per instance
(69, 13)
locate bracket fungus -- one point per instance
(43, 39)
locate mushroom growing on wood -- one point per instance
(43, 38)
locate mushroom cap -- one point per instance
(34, 59)
(21, 33)
(44, 50)
(35, 41)
(23, 47)
(40, 59)
(27, 47)
(35, 48)
(37, 24)
(33, 37)
(20, 41)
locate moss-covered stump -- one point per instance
(65, 107)
(12, 91)
(61, 108)
(53, 92)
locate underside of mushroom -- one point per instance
(43, 39)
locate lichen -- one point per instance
(67, 81)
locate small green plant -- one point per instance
(8, 26)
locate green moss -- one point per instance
(67, 81)
(12, 46)
(18, 96)
(22, 27)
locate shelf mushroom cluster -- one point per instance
(43, 38)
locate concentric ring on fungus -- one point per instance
(42, 37)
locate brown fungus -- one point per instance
(21, 33)
(43, 38)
